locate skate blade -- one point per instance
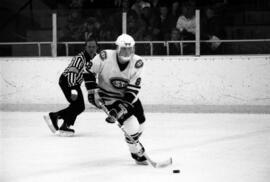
(62, 133)
(49, 123)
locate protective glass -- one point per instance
(126, 52)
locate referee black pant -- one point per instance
(76, 107)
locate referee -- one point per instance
(70, 83)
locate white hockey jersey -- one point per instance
(113, 82)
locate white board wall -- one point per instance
(205, 80)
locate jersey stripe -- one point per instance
(132, 91)
(109, 92)
(133, 86)
(109, 96)
(129, 97)
(74, 71)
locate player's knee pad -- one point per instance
(131, 125)
(136, 135)
(134, 145)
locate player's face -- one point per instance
(126, 52)
(91, 47)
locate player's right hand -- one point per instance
(112, 116)
(93, 97)
(120, 111)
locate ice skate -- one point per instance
(51, 120)
(65, 131)
(140, 160)
(138, 156)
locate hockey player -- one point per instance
(70, 83)
(114, 77)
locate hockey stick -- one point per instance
(153, 163)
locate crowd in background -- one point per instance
(147, 20)
(172, 22)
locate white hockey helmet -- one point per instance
(125, 47)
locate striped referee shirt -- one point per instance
(74, 71)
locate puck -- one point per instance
(176, 171)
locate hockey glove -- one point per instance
(112, 116)
(74, 95)
(121, 111)
(93, 97)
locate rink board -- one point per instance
(170, 83)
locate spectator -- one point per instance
(101, 4)
(78, 30)
(164, 21)
(139, 5)
(212, 28)
(125, 5)
(174, 14)
(100, 16)
(118, 3)
(116, 18)
(187, 26)
(91, 28)
(107, 33)
(186, 21)
(74, 29)
(155, 5)
(174, 47)
(151, 20)
(76, 4)
(175, 8)
(112, 28)
(136, 27)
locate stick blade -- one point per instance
(163, 164)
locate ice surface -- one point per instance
(205, 147)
